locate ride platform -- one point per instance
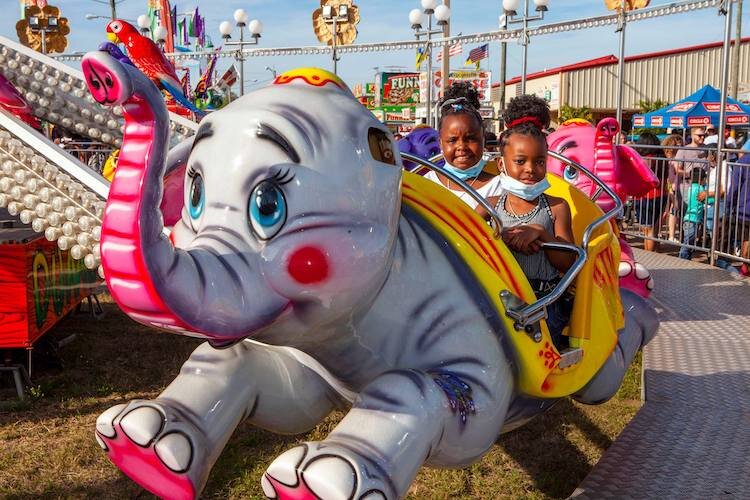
(692, 435)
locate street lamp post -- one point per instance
(334, 18)
(442, 14)
(510, 7)
(144, 24)
(44, 25)
(112, 5)
(255, 27)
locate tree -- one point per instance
(647, 105)
(569, 112)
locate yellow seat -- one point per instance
(597, 311)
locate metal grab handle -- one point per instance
(534, 312)
(470, 190)
(617, 209)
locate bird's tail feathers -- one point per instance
(176, 92)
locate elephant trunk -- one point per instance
(152, 281)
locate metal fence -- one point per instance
(699, 207)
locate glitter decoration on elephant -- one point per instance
(322, 275)
(617, 165)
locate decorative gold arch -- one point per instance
(627, 4)
(55, 41)
(347, 30)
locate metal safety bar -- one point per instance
(471, 191)
(527, 314)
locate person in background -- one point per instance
(670, 145)
(462, 143)
(687, 159)
(729, 142)
(651, 207)
(709, 196)
(738, 212)
(691, 223)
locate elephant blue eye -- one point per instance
(267, 209)
(570, 173)
(197, 197)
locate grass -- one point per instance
(47, 447)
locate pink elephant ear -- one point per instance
(637, 179)
(173, 198)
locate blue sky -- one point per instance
(288, 23)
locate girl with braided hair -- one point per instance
(462, 143)
(530, 217)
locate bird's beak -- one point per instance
(112, 37)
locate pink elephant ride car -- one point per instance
(619, 166)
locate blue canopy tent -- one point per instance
(698, 109)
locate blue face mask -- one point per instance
(527, 192)
(467, 173)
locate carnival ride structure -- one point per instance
(294, 225)
(617, 165)
(50, 193)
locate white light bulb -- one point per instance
(52, 233)
(30, 201)
(84, 239)
(59, 203)
(143, 21)
(71, 213)
(78, 252)
(96, 233)
(43, 209)
(91, 262)
(26, 216)
(14, 208)
(18, 192)
(70, 228)
(39, 225)
(55, 219)
(4, 200)
(416, 18)
(85, 222)
(6, 184)
(429, 4)
(510, 5)
(442, 13)
(65, 242)
(96, 249)
(255, 27)
(240, 16)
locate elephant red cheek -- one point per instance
(308, 265)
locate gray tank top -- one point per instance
(536, 266)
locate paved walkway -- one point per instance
(691, 439)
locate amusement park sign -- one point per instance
(482, 81)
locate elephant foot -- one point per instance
(155, 446)
(325, 471)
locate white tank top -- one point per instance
(492, 188)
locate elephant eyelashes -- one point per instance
(196, 201)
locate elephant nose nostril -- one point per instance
(108, 81)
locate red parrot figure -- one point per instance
(148, 58)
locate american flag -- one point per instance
(453, 50)
(229, 78)
(479, 53)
